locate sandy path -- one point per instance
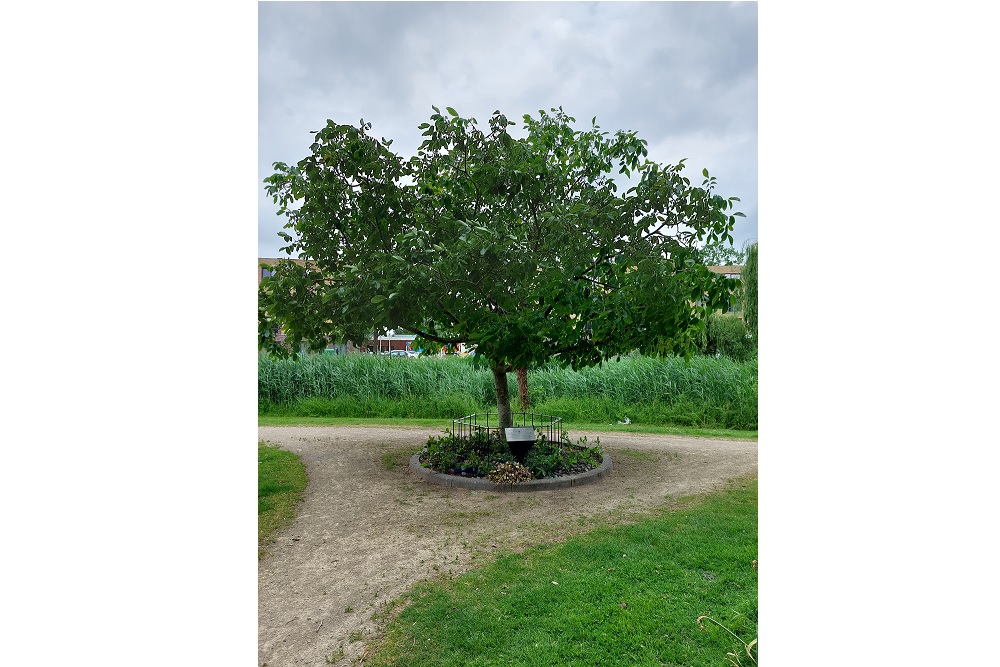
(365, 533)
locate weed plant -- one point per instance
(703, 392)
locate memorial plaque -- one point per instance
(520, 434)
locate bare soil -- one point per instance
(368, 529)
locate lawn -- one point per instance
(629, 595)
(281, 480)
(442, 424)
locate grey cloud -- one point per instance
(681, 74)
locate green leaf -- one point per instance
(563, 214)
(704, 172)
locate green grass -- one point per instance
(570, 427)
(629, 595)
(281, 480)
(703, 392)
(664, 430)
(290, 420)
(397, 458)
(638, 455)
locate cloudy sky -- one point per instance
(129, 167)
(683, 75)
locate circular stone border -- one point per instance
(483, 484)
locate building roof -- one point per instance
(726, 269)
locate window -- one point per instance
(265, 272)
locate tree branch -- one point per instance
(434, 337)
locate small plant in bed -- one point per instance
(485, 454)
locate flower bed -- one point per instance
(484, 454)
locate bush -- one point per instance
(484, 452)
(551, 459)
(475, 455)
(750, 291)
(726, 335)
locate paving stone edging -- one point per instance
(480, 484)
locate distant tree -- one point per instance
(521, 247)
(749, 280)
(721, 254)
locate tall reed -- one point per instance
(703, 391)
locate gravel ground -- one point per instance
(367, 531)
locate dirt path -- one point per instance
(368, 531)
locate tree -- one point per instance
(522, 388)
(749, 280)
(721, 254)
(522, 247)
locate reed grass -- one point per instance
(703, 392)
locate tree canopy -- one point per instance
(523, 247)
(721, 254)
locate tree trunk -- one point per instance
(522, 389)
(503, 396)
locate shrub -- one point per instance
(480, 454)
(726, 335)
(474, 455)
(750, 291)
(551, 459)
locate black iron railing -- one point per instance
(547, 425)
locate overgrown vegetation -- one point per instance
(702, 392)
(727, 335)
(750, 291)
(281, 479)
(631, 595)
(485, 454)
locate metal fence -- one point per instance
(547, 425)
